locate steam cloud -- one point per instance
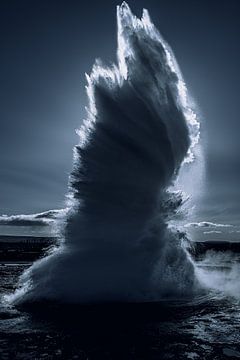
(117, 245)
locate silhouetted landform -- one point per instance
(199, 248)
(24, 248)
(31, 248)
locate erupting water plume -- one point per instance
(117, 244)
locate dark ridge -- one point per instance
(199, 248)
(24, 248)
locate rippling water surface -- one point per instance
(206, 328)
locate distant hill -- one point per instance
(24, 248)
(28, 239)
(199, 248)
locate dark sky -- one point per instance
(47, 46)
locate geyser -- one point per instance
(139, 129)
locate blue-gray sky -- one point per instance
(47, 46)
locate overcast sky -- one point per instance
(47, 46)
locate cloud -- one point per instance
(212, 232)
(41, 219)
(206, 224)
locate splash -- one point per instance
(139, 130)
(219, 272)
